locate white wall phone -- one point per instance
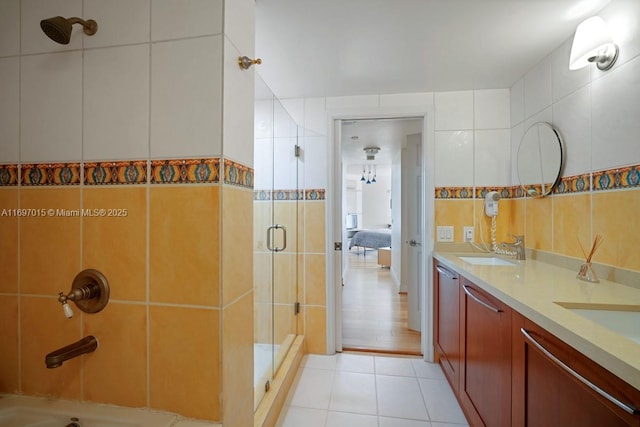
(491, 203)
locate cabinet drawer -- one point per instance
(555, 385)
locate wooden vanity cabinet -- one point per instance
(546, 394)
(485, 368)
(446, 326)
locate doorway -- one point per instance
(382, 211)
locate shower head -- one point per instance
(59, 29)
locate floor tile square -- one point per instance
(394, 366)
(400, 397)
(293, 416)
(312, 389)
(441, 402)
(353, 392)
(343, 419)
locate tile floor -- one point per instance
(358, 390)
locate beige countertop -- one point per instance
(533, 288)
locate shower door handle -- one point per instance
(270, 232)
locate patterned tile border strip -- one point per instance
(50, 174)
(237, 174)
(617, 178)
(612, 179)
(105, 173)
(284, 195)
(185, 171)
(9, 175)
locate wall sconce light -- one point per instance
(593, 43)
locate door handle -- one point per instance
(270, 233)
(413, 242)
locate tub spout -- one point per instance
(85, 345)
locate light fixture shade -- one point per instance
(592, 43)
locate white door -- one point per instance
(412, 195)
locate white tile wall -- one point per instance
(363, 101)
(295, 108)
(621, 17)
(239, 25)
(492, 155)
(454, 110)
(284, 172)
(33, 39)
(537, 88)
(9, 110)
(596, 112)
(116, 103)
(186, 97)
(315, 117)
(454, 159)
(491, 109)
(51, 107)
(615, 117)
(263, 164)
(517, 102)
(564, 80)
(174, 19)
(237, 137)
(315, 162)
(119, 22)
(572, 118)
(517, 132)
(545, 115)
(406, 99)
(10, 24)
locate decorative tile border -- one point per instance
(50, 174)
(9, 175)
(611, 179)
(454, 192)
(315, 194)
(237, 174)
(287, 195)
(574, 184)
(105, 173)
(185, 171)
(617, 178)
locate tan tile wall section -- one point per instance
(556, 223)
(165, 338)
(308, 271)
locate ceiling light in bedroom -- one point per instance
(371, 152)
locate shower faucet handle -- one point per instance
(68, 312)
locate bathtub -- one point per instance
(25, 411)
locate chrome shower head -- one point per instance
(59, 29)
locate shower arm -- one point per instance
(89, 26)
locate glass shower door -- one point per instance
(275, 236)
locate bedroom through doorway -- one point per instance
(380, 292)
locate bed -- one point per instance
(374, 239)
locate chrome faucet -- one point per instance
(85, 345)
(517, 246)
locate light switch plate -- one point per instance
(445, 233)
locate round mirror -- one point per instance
(540, 159)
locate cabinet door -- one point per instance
(447, 323)
(485, 382)
(546, 394)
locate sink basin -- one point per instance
(622, 319)
(486, 260)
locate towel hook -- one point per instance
(245, 62)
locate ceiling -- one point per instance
(353, 47)
(386, 134)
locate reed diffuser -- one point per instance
(586, 270)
